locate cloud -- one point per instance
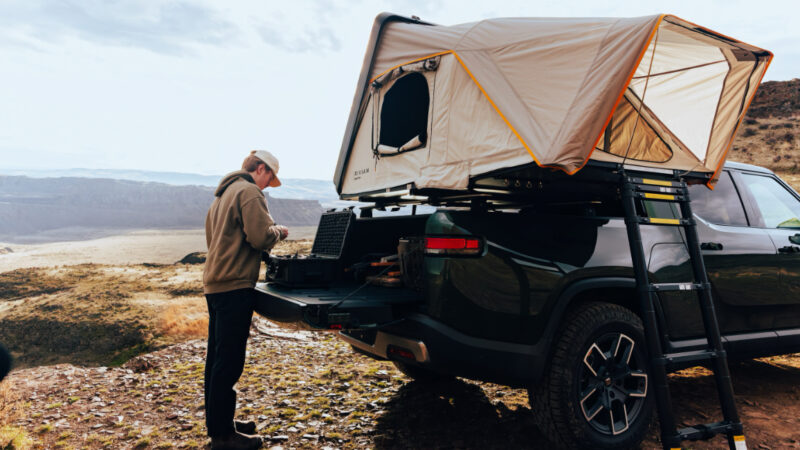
(161, 27)
(310, 40)
(316, 36)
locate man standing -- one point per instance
(238, 228)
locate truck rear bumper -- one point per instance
(440, 348)
(384, 341)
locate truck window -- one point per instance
(779, 207)
(722, 206)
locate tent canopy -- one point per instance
(437, 105)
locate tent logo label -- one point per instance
(359, 172)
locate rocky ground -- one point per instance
(308, 390)
(303, 389)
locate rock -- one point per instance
(194, 258)
(292, 430)
(139, 364)
(311, 436)
(279, 437)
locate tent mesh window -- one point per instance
(404, 113)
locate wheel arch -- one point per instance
(615, 290)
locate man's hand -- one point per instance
(284, 231)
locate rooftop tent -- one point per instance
(438, 105)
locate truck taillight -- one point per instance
(450, 246)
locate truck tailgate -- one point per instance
(336, 307)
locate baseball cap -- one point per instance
(272, 162)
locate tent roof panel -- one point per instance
(556, 81)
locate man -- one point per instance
(238, 228)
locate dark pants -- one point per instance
(229, 319)
(5, 362)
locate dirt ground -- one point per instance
(309, 390)
(304, 390)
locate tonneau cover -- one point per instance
(473, 98)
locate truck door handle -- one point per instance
(710, 246)
(789, 249)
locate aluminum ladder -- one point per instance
(635, 190)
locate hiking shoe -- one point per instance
(248, 427)
(236, 441)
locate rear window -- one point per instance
(722, 206)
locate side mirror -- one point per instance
(795, 239)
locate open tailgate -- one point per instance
(348, 306)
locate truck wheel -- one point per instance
(594, 394)
(421, 374)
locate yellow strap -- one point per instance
(656, 182)
(659, 196)
(738, 438)
(664, 221)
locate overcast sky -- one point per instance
(191, 86)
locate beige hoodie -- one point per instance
(238, 229)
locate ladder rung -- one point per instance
(660, 197)
(707, 431)
(664, 221)
(695, 356)
(665, 287)
(656, 182)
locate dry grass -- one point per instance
(103, 314)
(11, 437)
(9, 405)
(181, 321)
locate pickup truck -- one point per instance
(541, 294)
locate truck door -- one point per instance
(776, 208)
(737, 257)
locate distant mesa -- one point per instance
(36, 206)
(6, 250)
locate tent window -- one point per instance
(404, 113)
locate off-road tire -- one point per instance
(421, 374)
(556, 401)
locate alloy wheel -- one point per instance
(612, 383)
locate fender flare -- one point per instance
(562, 304)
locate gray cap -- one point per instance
(272, 162)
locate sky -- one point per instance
(192, 86)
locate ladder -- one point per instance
(675, 191)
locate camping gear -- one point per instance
(436, 106)
(323, 265)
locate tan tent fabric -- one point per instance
(508, 92)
